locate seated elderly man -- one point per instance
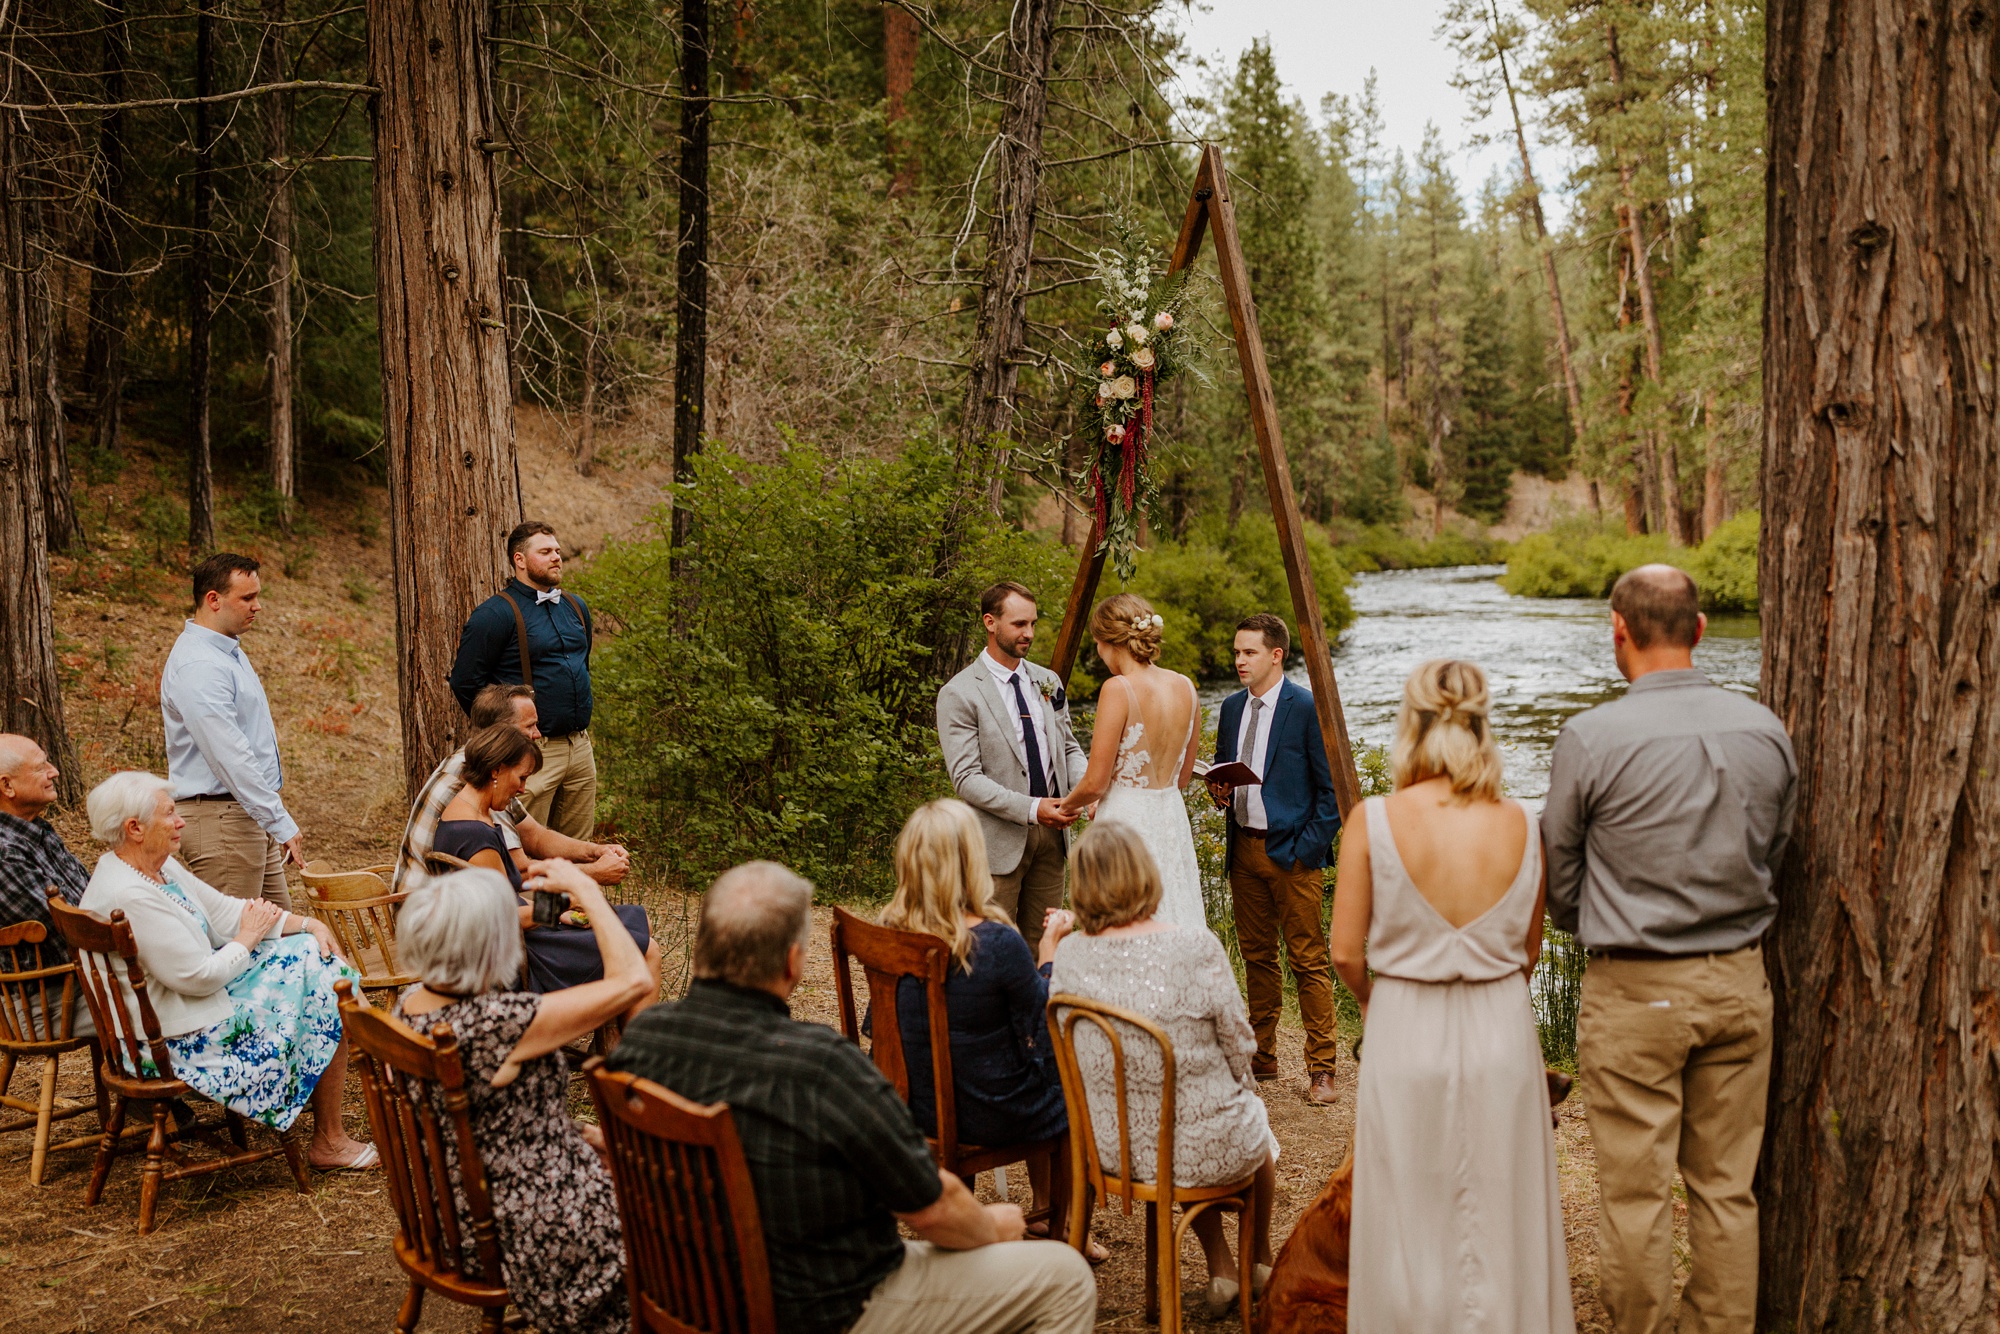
(34, 861)
(834, 1156)
(526, 838)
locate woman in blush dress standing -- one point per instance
(1457, 1217)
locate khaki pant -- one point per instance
(1015, 1287)
(1270, 901)
(223, 846)
(1675, 1060)
(562, 794)
(1029, 890)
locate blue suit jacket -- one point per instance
(1299, 805)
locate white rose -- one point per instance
(1138, 315)
(1123, 387)
(1114, 433)
(1135, 333)
(1144, 358)
(1163, 321)
(1113, 340)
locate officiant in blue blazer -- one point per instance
(1280, 839)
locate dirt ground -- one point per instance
(242, 1251)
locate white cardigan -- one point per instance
(186, 967)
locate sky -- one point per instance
(1328, 46)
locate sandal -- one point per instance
(360, 1162)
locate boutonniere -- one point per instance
(1052, 691)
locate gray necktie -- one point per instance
(1249, 757)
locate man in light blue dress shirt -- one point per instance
(222, 747)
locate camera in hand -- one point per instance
(549, 907)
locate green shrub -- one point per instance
(1219, 575)
(1581, 559)
(775, 699)
(1384, 547)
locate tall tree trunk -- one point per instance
(30, 686)
(741, 38)
(277, 112)
(201, 246)
(104, 348)
(691, 261)
(454, 482)
(1880, 1178)
(1714, 492)
(900, 37)
(62, 529)
(1638, 489)
(1543, 249)
(1001, 333)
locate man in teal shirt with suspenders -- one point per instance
(535, 633)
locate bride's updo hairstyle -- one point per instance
(1129, 620)
(1113, 879)
(1443, 730)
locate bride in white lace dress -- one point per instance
(1142, 751)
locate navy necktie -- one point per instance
(1038, 784)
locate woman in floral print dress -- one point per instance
(560, 1245)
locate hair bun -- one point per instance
(1129, 620)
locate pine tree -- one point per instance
(1432, 227)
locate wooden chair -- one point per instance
(1160, 1195)
(38, 1005)
(361, 912)
(123, 1023)
(443, 863)
(887, 956)
(694, 1245)
(417, 1105)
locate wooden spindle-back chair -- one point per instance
(359, 909)
(887, 956)
(1160, 1195)
(419, 1115)
(694, 1243)
(38, 1009)
(138, 1067)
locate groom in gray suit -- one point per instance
(1004, 726)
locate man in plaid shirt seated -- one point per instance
(606, 863)
(34, 861)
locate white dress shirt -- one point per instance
(1253, 797)
(1032, 693)
(220, 737)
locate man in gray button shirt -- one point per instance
(1667, 813)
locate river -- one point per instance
(1545, 658)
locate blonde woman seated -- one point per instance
(1180, 980)
(1457, 1221)
(552, 1197)
(1004, 1078)
(243, 990)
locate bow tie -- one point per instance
(553, 595)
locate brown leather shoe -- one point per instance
(1263, 1070)
(1321, 1092)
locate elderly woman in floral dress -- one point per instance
(243, 989)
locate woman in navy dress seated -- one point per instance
(1005, 1084)
(499, 760)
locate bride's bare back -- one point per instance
(1164, 703)
(1462, 857)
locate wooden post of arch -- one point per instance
(1209, 209)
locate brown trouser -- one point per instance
(1675, 1059)
(1029, 890)
(229, 851)
(562, 794)
(1270, 900)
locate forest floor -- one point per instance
(241, 1251)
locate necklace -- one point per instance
(143, 875)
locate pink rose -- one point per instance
(1114, 433)
(1107, 369)
(1163, 321)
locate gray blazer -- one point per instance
(976, 729)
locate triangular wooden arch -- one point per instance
(1209, 208)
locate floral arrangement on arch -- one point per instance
(1146, 343)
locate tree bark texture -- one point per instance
(691, 258)
(63, 530)
(104, 348)
(201, 246)
(1001, 332)
(30, 686)
(1880, 570)
(454, 483)
(277, 114)
(900, 37)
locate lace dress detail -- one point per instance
(1149, 800)
(1181, 980)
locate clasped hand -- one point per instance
(1050, 811)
